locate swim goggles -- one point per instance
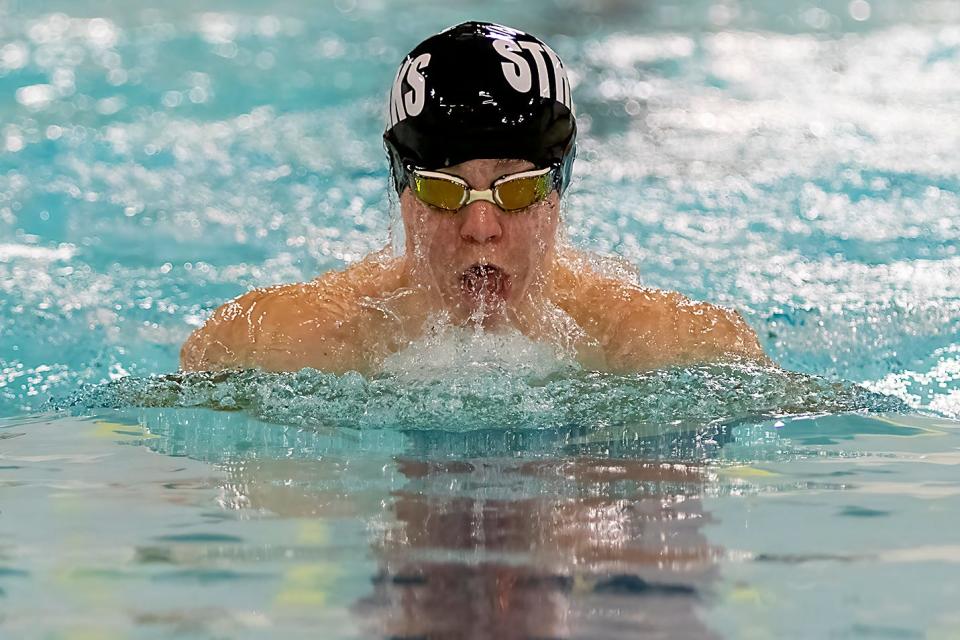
(511, 192)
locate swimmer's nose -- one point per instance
(480, 222)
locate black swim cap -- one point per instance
(480, 90)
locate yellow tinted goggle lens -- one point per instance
(438, 192)
(518, 193)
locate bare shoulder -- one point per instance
(643, 328)
(291, 326)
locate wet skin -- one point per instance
(477, 266)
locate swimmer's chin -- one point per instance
(482, 293)
(486, 312)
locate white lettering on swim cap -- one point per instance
(537, 52)
(562, 84)
(396, 110)
(403, 105)
(520, 76)
(517, 71)
(417, 96)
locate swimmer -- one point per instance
(481, 137)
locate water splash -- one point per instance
(465, 399)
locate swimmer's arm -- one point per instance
(283, 328)
(658, 328)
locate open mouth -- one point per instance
(485, 281)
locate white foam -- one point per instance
(451, 352)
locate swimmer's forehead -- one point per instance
(500, 166)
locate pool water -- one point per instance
(796, 161)
(179, 523)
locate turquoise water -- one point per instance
(796, 161)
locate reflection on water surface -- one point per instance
(245, 528)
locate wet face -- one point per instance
(481, 259)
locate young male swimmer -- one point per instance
(481, 139)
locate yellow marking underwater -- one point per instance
(313, 533)
(753, 626)
(309, 584)
(118, 431)
(750, 596)
(746, 471)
